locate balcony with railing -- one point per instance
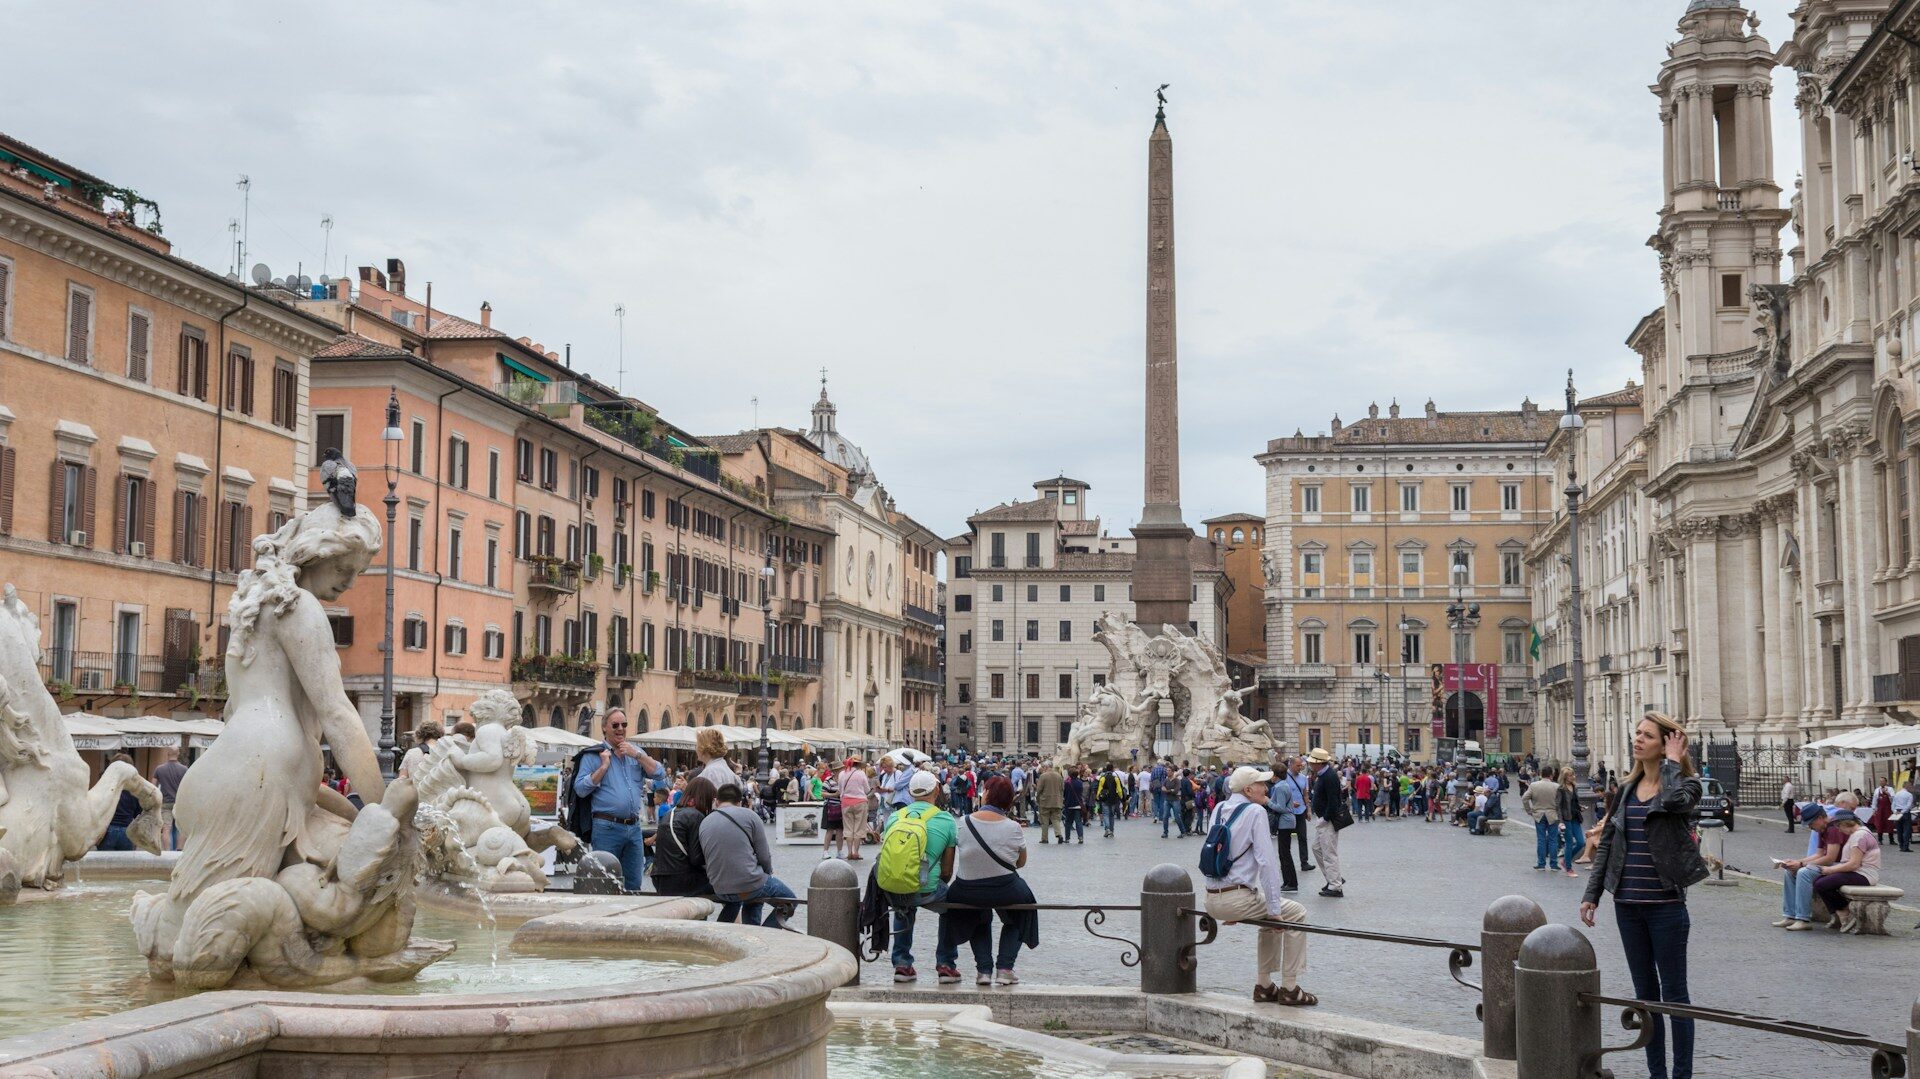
(920, 614)
(1300, 672)
(793, 607)
(921, 672)
(1897, 687)
(557, 671)
(797, 666)
(628, 666)
(552, 398)
(554, 576)
(1554, 675)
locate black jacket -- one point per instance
(1326, 794)
(1567, 802)
(1669, 837)
(677, 858)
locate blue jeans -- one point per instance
(748, 910)
(116, 839)
(1074, 820)
(1161, 811)
(1546, 843)
(1654, 936)
(1796, 892)
(625, 842)
(905, 907)
(1107, 816)
(1573, 836)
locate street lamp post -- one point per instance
(1405, 673)
(1461, 615)
(390, 440)
(765, 772)
(1572, 424)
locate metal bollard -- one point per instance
(1164, 932)
(1554, 1033)
(833, 908)
(598, 873)
(1506, 925)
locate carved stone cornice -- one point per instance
(1848, 440)
(1695, 529)
(1755, 88)
(164, 278)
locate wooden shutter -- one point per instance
(79, 319)
(57, 503)
(149, 492)
(181, 552)
(220, 561)
(200, 368)
(120, 515)
(446, 645)
(6, 490)
(184, 384)
(246, 537)
(139, 337)
(87, 500)
(246, 385)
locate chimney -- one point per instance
(397, 273)
(1432, 412)
(486, 314)
(368, 273)
(1373, 410)
(1393, 409)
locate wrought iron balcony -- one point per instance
(125, 673)
(562, 671)
(554, 577)
(795, 665)
(920, 614)
(1554, 675)
(921, 672)
(628, 666)
(793, 607)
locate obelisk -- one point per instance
(1162, 566)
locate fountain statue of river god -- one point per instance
(280, 880)
(48, 814)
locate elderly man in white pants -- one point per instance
(1250, 889)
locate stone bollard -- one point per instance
(598, 873)
(1507, 923)
(1913, 1041)
(833, 908)
(1553, 1031)
(1164, 932)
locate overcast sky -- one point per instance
(944, 205)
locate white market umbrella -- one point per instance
(911, 756)
(559, 738)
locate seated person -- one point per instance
(1858, 865)
(1477, 813)
(1800, 874)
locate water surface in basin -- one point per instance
(868, 1048)
(71, 956)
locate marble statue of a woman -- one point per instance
(280, 877)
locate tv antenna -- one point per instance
(620, 378)
(326, 238)
(246, 205)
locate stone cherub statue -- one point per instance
(1108, 729)
(48, 812)
(281, 880)
(480, 831)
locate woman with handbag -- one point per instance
(986, 875)
(679, 867)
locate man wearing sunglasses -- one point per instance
(614, 776)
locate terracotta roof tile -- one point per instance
(354, 346)
(454, 327)
(1631, 395)
(1039, 509)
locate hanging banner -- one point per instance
(1479, 678)
(1437, 673)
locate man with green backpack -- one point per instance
(915, 862)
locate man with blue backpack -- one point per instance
(1241, 870)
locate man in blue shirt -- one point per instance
(615, 777)
(1157, 785)
(1018, 777)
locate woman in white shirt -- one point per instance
(987, 858)
(710, 749)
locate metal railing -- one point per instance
(920, 614)
(1889, 1058)
(554, 576)
(797, 665)
(921, 672)
(1459, 956)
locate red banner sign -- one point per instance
(1480, 678)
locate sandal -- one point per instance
(1266, 994)
(1295, 998)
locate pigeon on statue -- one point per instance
(337, 473)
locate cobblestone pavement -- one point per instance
(1433, 880)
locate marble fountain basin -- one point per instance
(602, 988)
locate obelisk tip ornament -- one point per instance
(1163, 570)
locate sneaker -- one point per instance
(1797, 926)
(985, 977)
(1005, 977)
(948, 975)
(905, 974)
(1289, 888)
(1784, 922)
(1330, 893)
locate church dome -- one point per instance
(1710, 5)
(834, 446)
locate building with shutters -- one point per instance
(1365, 526)
(1029, 582)
(605, 557)
(152, 419)
(920, 659)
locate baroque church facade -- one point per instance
(1779, 585)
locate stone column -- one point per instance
(1863, 638)
(1746, 138)
(1703, 138)
(1774, 629)
(1502, 930)
(1164, 931)
(1666, 142)
(1555, 1032)
(1682, 139)
(1753, 624)
(833, 908)
(1703, 629)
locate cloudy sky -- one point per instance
(942, 204)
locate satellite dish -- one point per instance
(325, 280)
(278, 283)
(306, 283)
(261, 274)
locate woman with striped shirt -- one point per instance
(1647, 858)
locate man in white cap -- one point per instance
(926, 840)
(1249, 887)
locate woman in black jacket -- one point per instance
(679, 868)
(1648, 859)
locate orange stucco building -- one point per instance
(152, 420)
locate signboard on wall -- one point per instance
(1482, 679)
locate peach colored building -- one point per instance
(1238, 538)
(152, 420)
(632, 561)
(922, 687)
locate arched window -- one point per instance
(640, 722)
(557, 717)
(586, 719)
(666, 718)
(709, 720)
(1239, 535)
(526, 716)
